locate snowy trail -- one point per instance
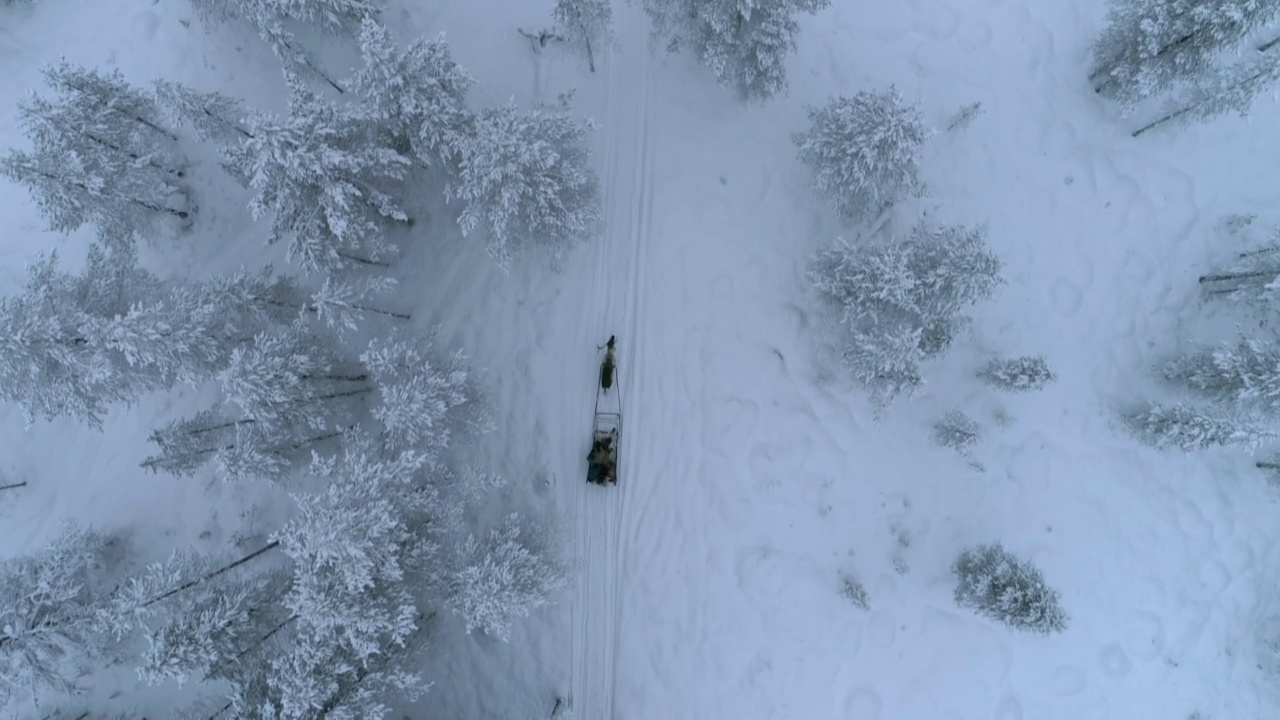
(614, 307)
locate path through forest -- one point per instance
(614, 305)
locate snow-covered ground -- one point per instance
(707, 583)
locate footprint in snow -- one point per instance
(862, 703)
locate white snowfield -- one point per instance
(706, 584)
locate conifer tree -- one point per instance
(420, 393)
(1017, 374)
(1187, 428)
(745, 43)
(525, 178)
(1220, 90)
(51, 604)
(502, 578)
(585, 25)
(283, 395)
(73, 345)
(101, 154)
(902, 303)
(214, 116)
(324, 178)
(865, 151)
(416, 96)
(996, 583)
(1244, 373)
(1151, 46)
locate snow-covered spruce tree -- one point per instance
(744, 42)
(101, 154)
(995, 583)
(214, 116)
(1244, 373)
(525, 177)
(1017, 374)
(901, 303)
(324, 177)
(1151, 46)
(416, 96)
(501, 578)
(1188, 428)
(73, 345)
(50, 605)
(585, 25)
(1220, 91)
(865, 151)
(420, 393)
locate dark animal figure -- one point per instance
(606, 370)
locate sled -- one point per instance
(606, 426)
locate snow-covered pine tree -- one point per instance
(1187, 428)
(361, 549)
(502, 578)
(337, 16)
(1254, 276)
(50, 605)
(865, 151)
(1017, 374)
(101, 154)
(203, 632)
(420, 393)
(902, 302)
(341, 304)
(312, 679)
(290, 392)
(996, 583)
(585, 25)
(73, 345)
(201, 615)
(1151, 46)
(212, 115)
(525, 177)
(744, 42)
(270, 18)
(292, 378)
(1221, 90)
(417, 97)
(323, 176)
(1243, 373)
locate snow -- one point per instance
(707, 584)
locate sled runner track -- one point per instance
(634, 463)
(612, 305)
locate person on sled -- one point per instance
(603, 460)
